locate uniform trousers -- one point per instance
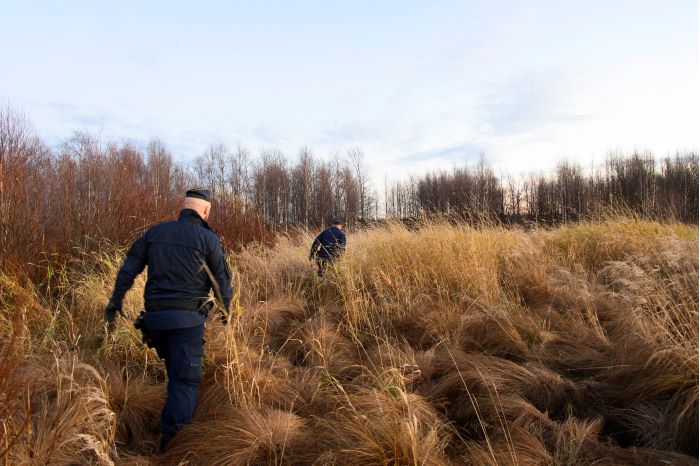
(182, 350)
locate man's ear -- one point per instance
(207, 210)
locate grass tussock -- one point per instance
(438, 345)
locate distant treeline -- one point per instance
(305, 192)
(636, 183)
(56, 201)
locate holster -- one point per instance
(140, 325)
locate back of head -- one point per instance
(199, 200)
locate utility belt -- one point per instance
(201, 305)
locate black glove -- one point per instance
(111, 312)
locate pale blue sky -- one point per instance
(416, 85)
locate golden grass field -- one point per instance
(438, 345)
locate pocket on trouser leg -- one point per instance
(188, 366)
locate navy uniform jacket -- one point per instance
(175, 253)
(332, 243)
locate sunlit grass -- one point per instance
(439, 344)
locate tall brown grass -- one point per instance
(439, 345)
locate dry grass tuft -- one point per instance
(243, 437)
(71, 420)
(374, 427)
(137, 405)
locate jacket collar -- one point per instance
(192, 216)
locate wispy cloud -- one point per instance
(528, 101)
(77, 115)
(463, 153)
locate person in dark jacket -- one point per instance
(183, 256)
(328, 246)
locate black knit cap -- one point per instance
(199, 193)
(337, 221)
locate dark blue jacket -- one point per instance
(332, 242)
(175, 253)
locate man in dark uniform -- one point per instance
(181, 257)
(328, 246)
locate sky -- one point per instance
(415, 85)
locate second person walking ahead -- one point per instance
(328, 246)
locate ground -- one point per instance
(437, 345)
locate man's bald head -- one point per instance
(202, 207)
(199, 200)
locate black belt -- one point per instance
(167, 304)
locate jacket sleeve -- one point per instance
(341, 242)
(133, 264)
(216, 261)
(314, 246)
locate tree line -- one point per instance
(58, 201)
(288, 193)
(636, 183)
